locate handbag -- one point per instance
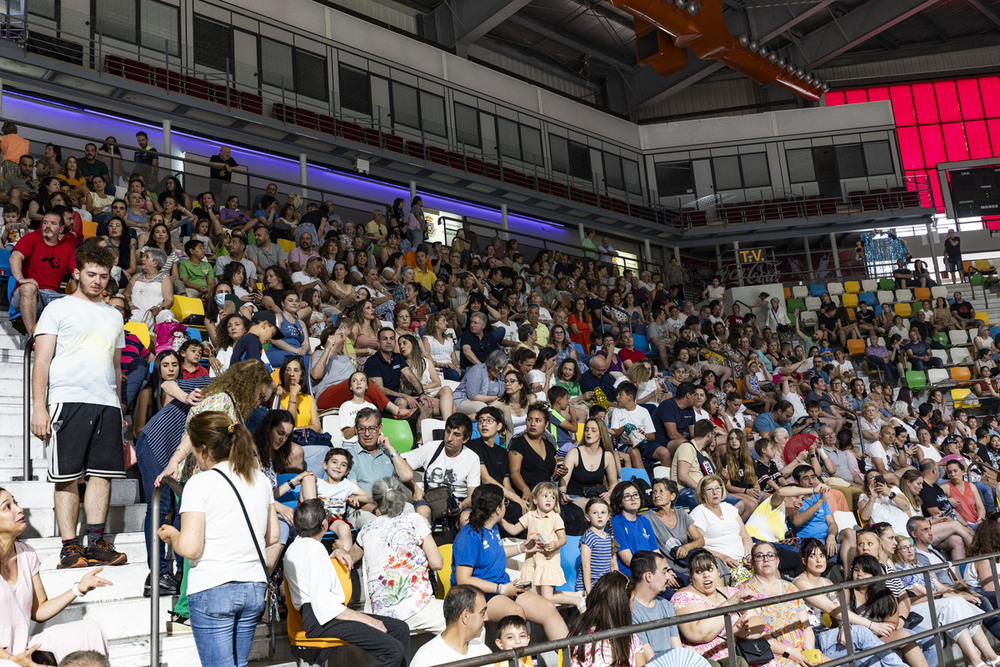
(307, 437)
(440, 499)
(271, 607)
(755, 651)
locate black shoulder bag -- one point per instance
(271, 608)
(440, 499)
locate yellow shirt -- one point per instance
(304, 405)
(426, 278)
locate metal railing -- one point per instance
(839, 589)
(29, 347)
(154, 580)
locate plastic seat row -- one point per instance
(778, 209)
(176, 82)
(881, 199)
(868, 285)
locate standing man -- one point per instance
(75, 387)
(606, 253)
(90, 166)
(147, 160)
(953, 256)
(221, 168)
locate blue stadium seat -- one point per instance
(817, 290)
(867, 297)
(633, 473)
(569, 556)
(640, 342)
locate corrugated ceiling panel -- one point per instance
(522, 69)
(380, 12)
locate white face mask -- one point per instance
(220, 299)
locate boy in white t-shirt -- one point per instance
(631, 424)
(337, 492)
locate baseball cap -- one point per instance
(270, 318)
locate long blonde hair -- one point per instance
(638, 373)
(220, 438)
(416, 358)
(242, 381)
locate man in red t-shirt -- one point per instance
(39, 262)
(628, 354)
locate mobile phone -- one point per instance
(44, 658)
(522, 584)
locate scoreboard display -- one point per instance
(975, 192)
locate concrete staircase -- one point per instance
(120, 610)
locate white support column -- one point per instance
(932, 239)
(168, 161)
(836, 254)
(677, 253)
(739, 264)
(583, 233)
(503, 222)
(649, 256)
(809, 259)
(303, 175)
(413, 190)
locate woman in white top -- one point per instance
(719, 523)
(714, 292)
(150, 293)
(440, 349)
(437, 399)
(870, 424)
(227, 580)
(881, 502)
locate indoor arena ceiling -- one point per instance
(590, 42)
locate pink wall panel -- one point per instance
(947, 101)
(955, 146)
(969, 100)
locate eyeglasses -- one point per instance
(765, 557)
(630, 496)
(366, 429)
(486, 420)
(713, 489)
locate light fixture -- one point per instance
(825, 87)
(773, 57)
(754, 45)
(781, 63)
(763, 51)
(693, 8)
(744, 40)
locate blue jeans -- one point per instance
(989, 503)
(149, 468)
(451, 374)
(223, 620)
(879, 363)
(862, 638)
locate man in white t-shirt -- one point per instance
(315, 590)
(642, 431)
(449, 464)
(464, 617)
(75, 390)
(878, 453)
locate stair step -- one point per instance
(127, 581)
(132, 545)
(121, 519)
(35, 494)
(109, 615)
(180, 651)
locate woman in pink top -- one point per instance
(20, 568)
(970, 505)
(707, 591)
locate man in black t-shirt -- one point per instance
(865, 319)
(953, 256)
(963, 311)
(674, 417)
(494, 468)
(933, 499)
(220, 172)
(387, 369)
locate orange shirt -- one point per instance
(13, 147)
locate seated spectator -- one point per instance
(650, 577)
(718, 523)
(315, 590)
(477, 343)
(387, 369)
(464, 611)
(878, 356)
(902, 275)
(374, 458)
(448, 464)
(25, 599)
(481, 385)
(970, 504)
(778, 418)
(591, 466)
(237, 253)
(632, 531)
(815, 519)
(266, 254)
(392, 532)
(479, 559)
(675, 416)
(864, 634)
(609, 608)
(707, 591)
(597, 378)
(963, 312)
(150, 293)
(38, 264)
(919, 352)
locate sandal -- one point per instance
(178, 625)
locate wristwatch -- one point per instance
(892, 495)
(786, 655)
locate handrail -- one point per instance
(840, 589)
(154, 580)
(29, 346)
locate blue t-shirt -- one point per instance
(632, 535)
(765, 422)
(600, 557)
(816, 525)
(482, 550)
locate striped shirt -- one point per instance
(600, 557)
(164, 431)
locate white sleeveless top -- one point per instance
(440, 352)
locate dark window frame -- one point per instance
(138, 39)
(351, 70)
(230, 55)
(479, 126)
(675, 164)
(739, 164)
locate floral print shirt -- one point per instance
(396, 565)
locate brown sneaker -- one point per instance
(103, 553)
(72, 556)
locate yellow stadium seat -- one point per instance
(788, 293)
(903, 309)
(983, 317)
(850, 300)
(444, 574)
(852, 287)
(855, 346)
(297, 634)
(185, 306)
(286, 245)
(139, 330)
(963, 397)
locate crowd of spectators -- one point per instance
(559, 380)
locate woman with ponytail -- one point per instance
(227, 519)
